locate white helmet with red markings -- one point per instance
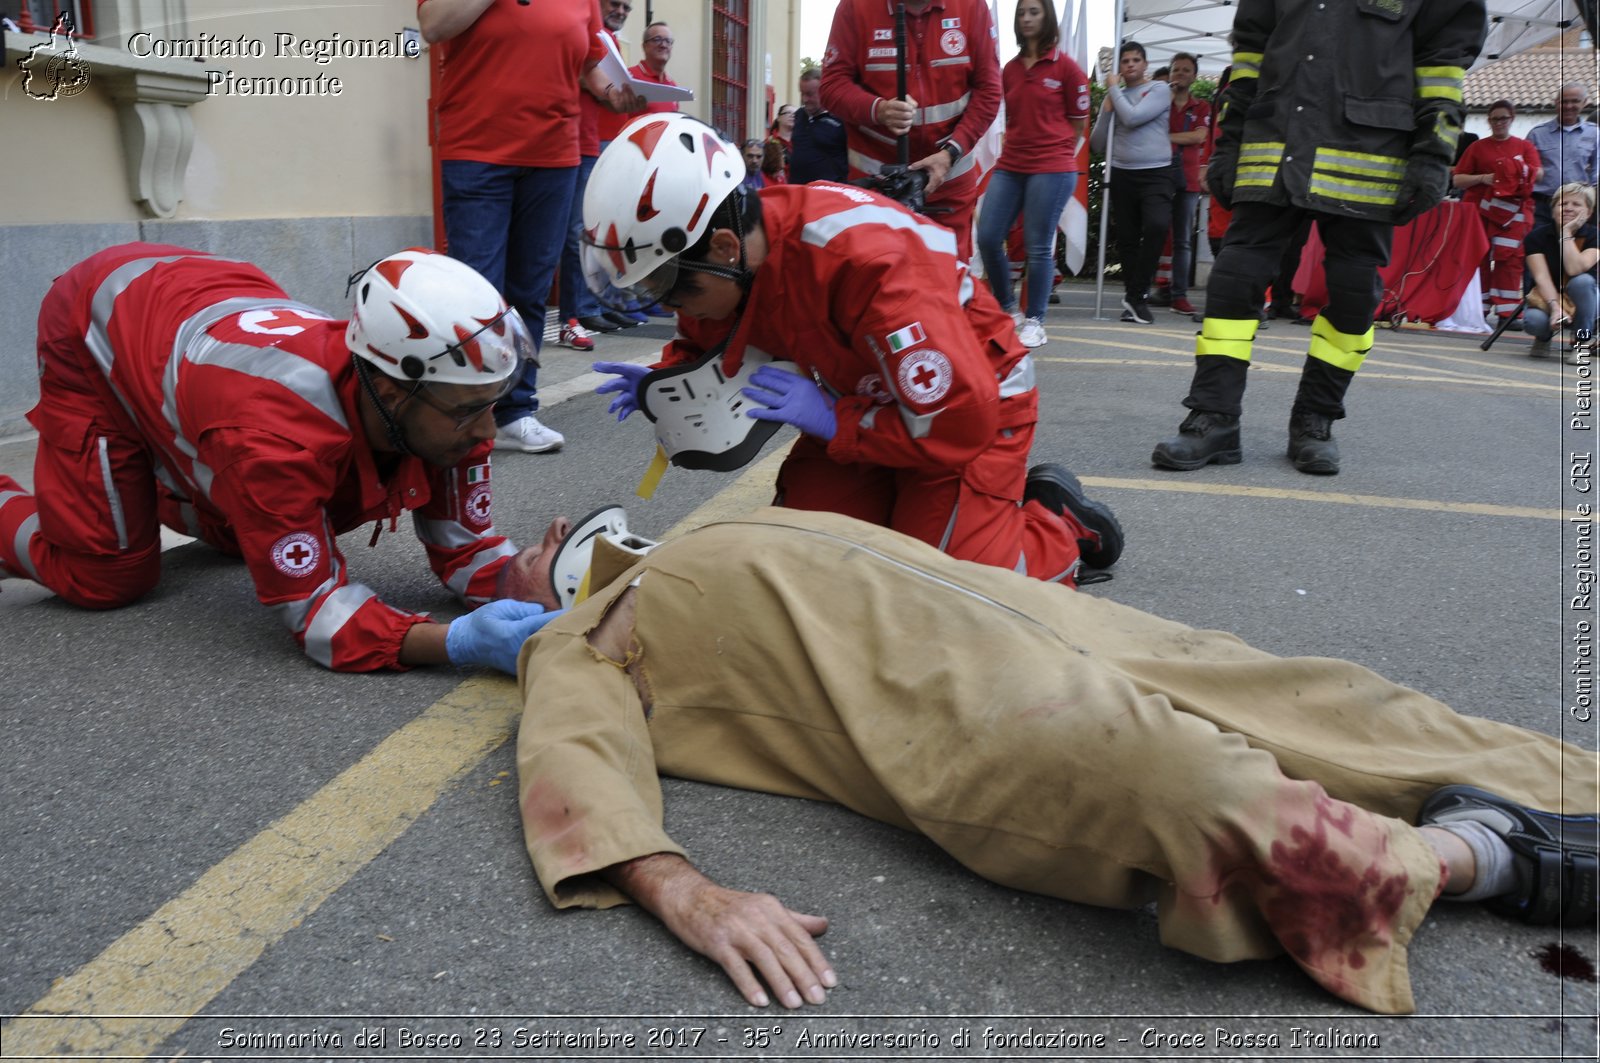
(424, 317)
(651, 196)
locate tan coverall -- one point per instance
(1049, 740)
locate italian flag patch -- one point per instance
(909, 336)
(477, 474)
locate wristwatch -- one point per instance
(952, 149)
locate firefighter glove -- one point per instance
(1421, 189)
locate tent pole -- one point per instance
(1105, 176)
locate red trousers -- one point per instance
(973, 514)
(91, 531)
(1502, 269)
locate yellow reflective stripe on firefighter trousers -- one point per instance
(1228, 337)
(1339, 349)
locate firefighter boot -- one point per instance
(1203, 437)
(1312, 447)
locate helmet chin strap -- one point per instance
(397, 434)
(738, 272)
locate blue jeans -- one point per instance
(576, 298)
(1039, 198)
(1581, 290)
(1183, 205)
(509, 223)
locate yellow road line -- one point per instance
(1482, 509)
(153, 979)
(167, 968)
(1270, 367)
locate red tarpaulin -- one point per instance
(1433, 261)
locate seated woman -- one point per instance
(1561, 258)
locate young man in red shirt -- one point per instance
(508, 135)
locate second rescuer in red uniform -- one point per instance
(919, 408)
(952, 89)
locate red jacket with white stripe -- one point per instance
(250, 404)
(871, 300)
(952, 71)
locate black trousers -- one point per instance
(1354, 250)
(1141, 206)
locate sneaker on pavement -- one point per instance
(597, 323)
(1100, 534)
(1578, 356)
(1162, 296)
(1016, 316)
(1181, 305)
(528, 435)
(1137, 312)
(1539, 348)
(575, 336)
(1556, 857)
(1055, 298)
(1032, 333)
(620, 319)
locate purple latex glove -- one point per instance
(791, 399)
(626, 385)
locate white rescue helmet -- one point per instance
(650, 197)
(427, 318)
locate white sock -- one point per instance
(1497, 872)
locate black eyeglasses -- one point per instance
(461, 416)
(659, 40)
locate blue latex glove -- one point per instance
(626, 385)
(792, 399)
(493, 634)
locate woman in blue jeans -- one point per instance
(1561, 260)
(1047, 109)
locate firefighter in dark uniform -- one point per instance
(1348, 112)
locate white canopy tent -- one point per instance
(1166, 27)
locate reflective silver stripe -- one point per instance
(960, 60)
(937, 237)
(950, 528)
(113, 500)
(294, 614)
(880, 67)
(97, 339)
(918, 425)
(336, 611)
(450, 534)
(1020, 380)
(863, 162)
(966, 289)
(461, 579)
(19, 546)
(1505, 241)
(867, 164)
(941, 112)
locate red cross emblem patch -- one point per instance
(925, 376)
(296, 554)
(477, 505)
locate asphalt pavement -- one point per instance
(214, 849)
